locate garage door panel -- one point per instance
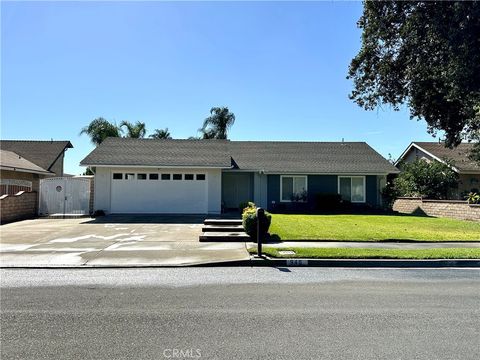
(159, 196)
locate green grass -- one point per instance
(349, 253)
(372, 228)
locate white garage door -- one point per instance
(159, 193)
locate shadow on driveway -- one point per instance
(147, 219)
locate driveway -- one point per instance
(112, 241)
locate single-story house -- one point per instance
(24, 162)
(208, 176)
(468, 170)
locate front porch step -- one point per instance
(222, 222)
(224, 236)
(222, 228)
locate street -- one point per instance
(240, 313)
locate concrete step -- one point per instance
(224, 236)
(223, 222)
(222, 228)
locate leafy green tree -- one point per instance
(216, 126)
(161, 134)
(433, 180)
(425, 54)
(137, 130)
(99, 129)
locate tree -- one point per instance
(425, 54)
(161, 134)
(136, 130)
(99, 129)
(218, 123)
(433, 180)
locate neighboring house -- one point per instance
(207, 176)
(468, 171)
(26, 162)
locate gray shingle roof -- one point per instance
(459, 155)
(155, 152)
(309, 157)
(12, 161)
(41, 153)
(269, 156)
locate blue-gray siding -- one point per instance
(322, 184)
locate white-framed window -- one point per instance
(117, 176)
(129, 176)
(352, 188)
(293, 188)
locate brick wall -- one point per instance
(438, 208)
(18, 207)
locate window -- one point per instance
(177, 176)
(129, 176)
(188, 176)
(165, 176)
(153, 176)
(141, 176)
(200, 176)
(293, 188)
(352, 188)
(117, 176)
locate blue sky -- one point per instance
(280, 67)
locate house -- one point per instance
(468, 171)
(24, 162)
(208, 176)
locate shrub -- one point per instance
(473, 198)
(328, 201)
(249, 220)
(245, 204)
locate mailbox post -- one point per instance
(260, 230)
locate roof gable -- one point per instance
(458, 155)
(41, 153)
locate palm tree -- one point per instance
(99, 129)
(136, 130)
(218, 123)
(161, 134)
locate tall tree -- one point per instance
(137, 130)
(161, 134)
(425, 54)
(216, 126)
(99, 129)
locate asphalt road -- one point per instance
(240, 313)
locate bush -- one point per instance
(245, 204)
(473, 198)
(328, 201)
(249, 220)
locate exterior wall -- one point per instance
(103, 192)
(260, 190)
(214, 177)
(416, 154)
(325, 184)
(18, 175)
(18, 207)
(57, 166)
(438, 208)
(468, 183)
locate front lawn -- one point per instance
(349, 253)
(372, 228)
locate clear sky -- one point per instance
(280, 67)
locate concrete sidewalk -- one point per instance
(405, 245)
(112, 242)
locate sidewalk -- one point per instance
(405, 245)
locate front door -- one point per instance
(236, 189)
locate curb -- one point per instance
(269, 262)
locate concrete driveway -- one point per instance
(112, 241)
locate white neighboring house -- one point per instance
(468, 171)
